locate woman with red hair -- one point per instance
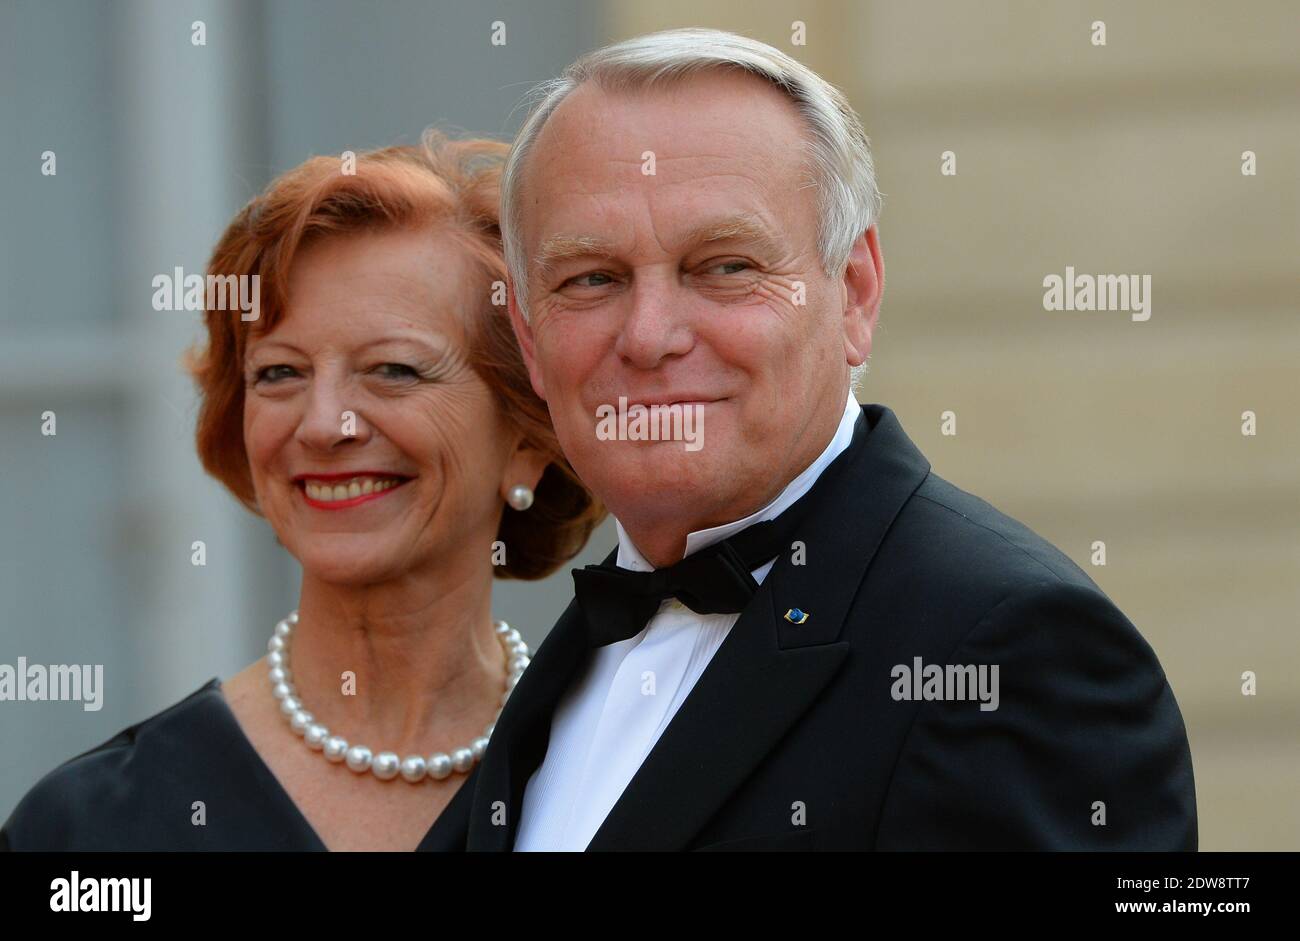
(378, 415)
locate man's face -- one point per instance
(672, 245)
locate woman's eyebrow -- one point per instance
(436, 344)
(433, 343)
(258, 345)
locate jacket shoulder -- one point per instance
(100, 790)
(998, 578)
(1081, 744)
(949, 540)
(973, 524)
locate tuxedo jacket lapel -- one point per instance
(519, 740)
(769, 671)
(747, 697)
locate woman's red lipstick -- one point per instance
(371, 484)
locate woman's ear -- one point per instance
(526, 467)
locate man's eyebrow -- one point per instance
(739, 228)
(559, 248)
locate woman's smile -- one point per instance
(342, 491)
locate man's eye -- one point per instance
(396, 371)
(734, 266)
(594, 274)
(275, 373)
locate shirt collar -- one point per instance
(629, 557)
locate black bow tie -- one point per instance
(617, 603)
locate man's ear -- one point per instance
(864, 283)
(524, 334)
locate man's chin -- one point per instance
(660, 470)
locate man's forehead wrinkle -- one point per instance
(590, 106)
(739, 219)
(616, 183)
(625, 200)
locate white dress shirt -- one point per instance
(607, 722)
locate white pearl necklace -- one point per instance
(386, 765)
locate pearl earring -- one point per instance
(520, 497)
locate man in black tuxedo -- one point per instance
(805, 639)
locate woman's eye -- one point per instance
(274, 373)
(396, 371)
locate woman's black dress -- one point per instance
(137, 790)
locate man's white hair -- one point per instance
(837, 146)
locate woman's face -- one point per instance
(375, 449)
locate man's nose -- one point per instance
(657, 325)
(331, 418)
